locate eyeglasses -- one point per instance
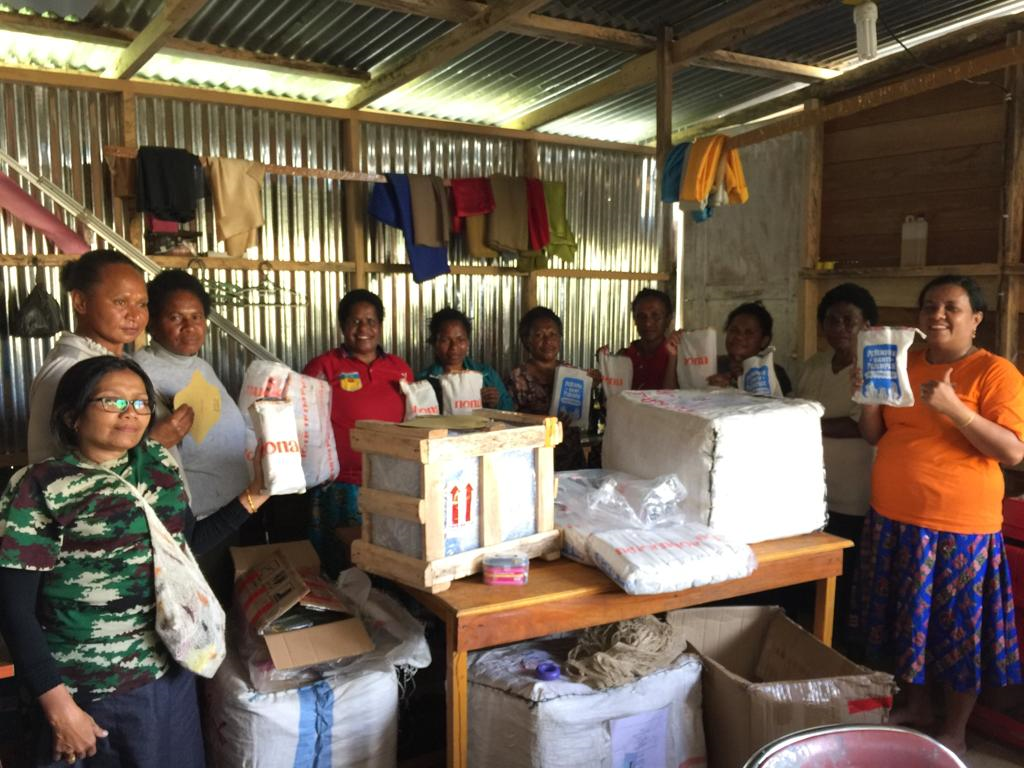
(121, 405)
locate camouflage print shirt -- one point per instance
(87, 533)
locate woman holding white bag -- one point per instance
(450, 335)
(78, 584)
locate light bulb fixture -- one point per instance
(865, 16)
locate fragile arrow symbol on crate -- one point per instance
(454, 492)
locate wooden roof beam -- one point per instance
(97, 35)
(790, 71)
(493, 19)
(171, 17)
(756, 18)
(530, 25)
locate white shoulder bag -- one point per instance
(189, 619)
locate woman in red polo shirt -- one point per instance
(652, 315)
(364, 385)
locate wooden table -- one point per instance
(564, 595)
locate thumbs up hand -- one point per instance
(941, 396)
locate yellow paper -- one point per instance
(204, 398)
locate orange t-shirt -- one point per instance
(926, 472)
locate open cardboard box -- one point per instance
(765, 677)
(303, 647)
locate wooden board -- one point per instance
(965, 246)
(957, 168)
(947, 211)
(982, 125)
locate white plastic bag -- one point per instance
(277, 445)
(616, 372)
(460, 392)
(882, 359)
(420, 399)
(698, 358)
(570, 396)
(310, 400)
(759, 375)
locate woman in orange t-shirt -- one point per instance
(933, 591)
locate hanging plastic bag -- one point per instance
(420, 399)
(39, 315)
(310, 400)
(759, 375)
(616, 372)
(698, 358)
(882, 359)
(460, 392)
(278, 447)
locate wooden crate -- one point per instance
(434, 504)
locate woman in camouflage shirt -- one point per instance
(76, 578)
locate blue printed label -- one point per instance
(878, 369)
(570, 398)
(756, 381)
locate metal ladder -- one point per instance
(141, 260)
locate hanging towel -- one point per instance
(537, 215)
(122, 176)
(563, 241)
(701, 167)
(476, 229)
(237, 187)
(735, 181)
(470, 197)
(429, 210)
(391, 204)
(168, 183)
(508, 226)
(672, 172)
(25, 208)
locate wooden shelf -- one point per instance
(973, 270)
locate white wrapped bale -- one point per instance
(312, 725)
(519, 721)
(752, 466)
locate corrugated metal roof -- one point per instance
(499, 78)
(696, 94)
(827, 37)
(507, 74)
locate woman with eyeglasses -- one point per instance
(843, 312)
(364, 385)
(108, 297)
(77, 583)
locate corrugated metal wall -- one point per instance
(59, 134)
(610, 207)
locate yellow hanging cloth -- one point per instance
(701, 168)
(735, 181)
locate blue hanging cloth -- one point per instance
(391, 204)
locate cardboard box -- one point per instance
(303, 647)
(765, 677)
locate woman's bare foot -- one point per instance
(920, 718)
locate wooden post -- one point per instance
(807, 343)
(664, 141)
(1012, 235)
(531, 169)
(355, 201)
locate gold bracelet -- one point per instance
(248, 497)
(967, 423)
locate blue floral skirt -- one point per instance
(938, 604)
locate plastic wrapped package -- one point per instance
(753, 466)
(310, 399)
(882, 359)
(668, 558)
(520, 721)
